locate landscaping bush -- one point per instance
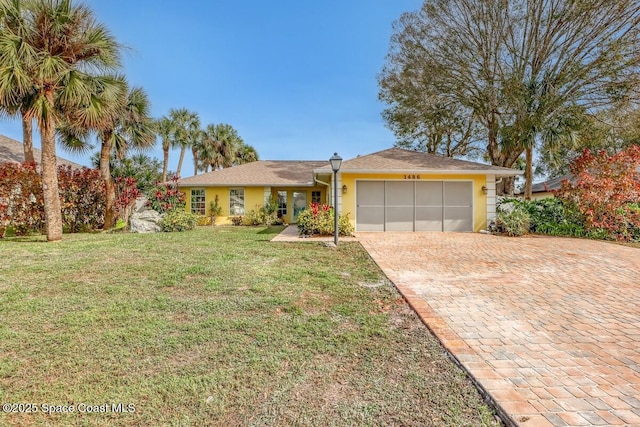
(215, 210)
(165, 197)
(179, 220)
(82, 198)
(237, 220)
(513, 218)
(21, 200)
(319, 220)
(263, 215)
(204, 220)
(127, 193)
(606, 192)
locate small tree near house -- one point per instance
(215, 210)
(606, 190)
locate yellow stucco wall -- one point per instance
(479, 198)
(253, 199)
(254, 196)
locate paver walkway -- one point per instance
(548, 327)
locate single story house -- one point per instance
(390, 190)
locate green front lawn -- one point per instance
(217, 326)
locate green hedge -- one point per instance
(179, 220)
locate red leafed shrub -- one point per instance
(319, 220)
(607, 191)
(82, 199)
(166, 197)
(126, 194)
(21, 201)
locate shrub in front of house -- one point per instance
(263, 215)
(179, 220)
(551, 216)
(606, 191)
(82, 198)
(513, 218)
(166, 197)
(318, 220)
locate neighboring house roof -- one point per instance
(550, 184)
(12, 151)
(261, 173)
(400, 160)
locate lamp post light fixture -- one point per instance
(336, 162)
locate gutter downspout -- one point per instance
(325, 184)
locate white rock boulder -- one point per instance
(146, 221)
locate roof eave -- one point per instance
(280, 184)
(509, 172)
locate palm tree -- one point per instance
(245, 153)
(121, 129)
(186, 129)
(219, 147)
(59, 44)
(165, 131)
(132, 128)
(195, 149)
(13, 26)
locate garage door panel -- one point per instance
(399, 193)
(370, 218)
(428, 218)
(457, 219)
(370, 205)
(370, 193)
(399, 218)
(429, 193)
(457, 193)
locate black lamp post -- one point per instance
(335, 161)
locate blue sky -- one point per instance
(297, 79)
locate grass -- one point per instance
(217, 326)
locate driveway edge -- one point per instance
(453, 345)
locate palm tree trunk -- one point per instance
(49, 162)
(528, 174)
(165, 164)
(182, 150)
(27, 139)
(109, 187)
(194, 151)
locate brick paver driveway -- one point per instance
(549, 327)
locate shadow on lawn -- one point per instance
(273, 229)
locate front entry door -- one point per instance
(299, 203)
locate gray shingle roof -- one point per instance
(400, 160)
(300, 172)
(13, 151)
(551, 184)
(261, 173)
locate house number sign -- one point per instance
(411, 176)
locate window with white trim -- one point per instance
(198, 201)
(236, 201)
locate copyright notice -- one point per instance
(83, 408)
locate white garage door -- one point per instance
(414, 206)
